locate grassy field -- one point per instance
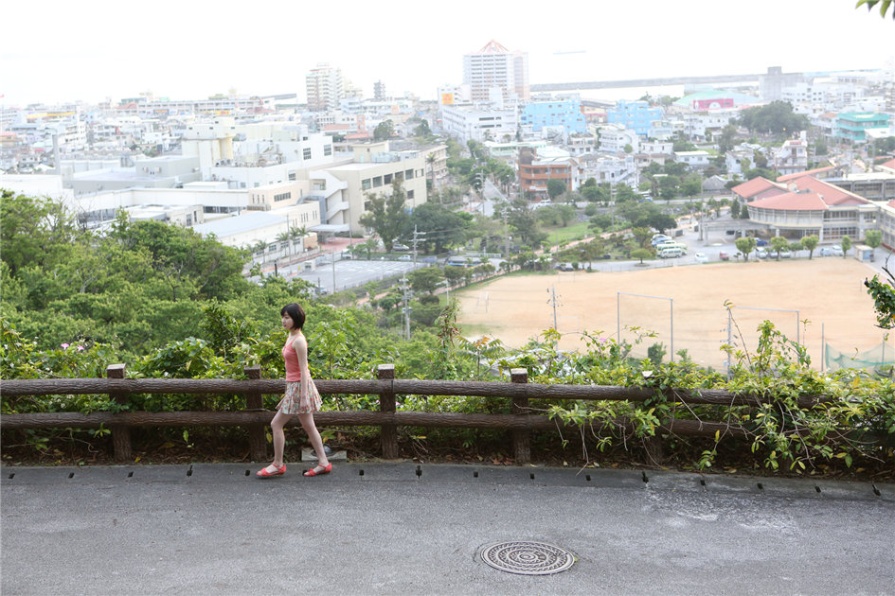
(558, 235)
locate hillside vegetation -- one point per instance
(169, 303)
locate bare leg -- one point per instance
(279, 438)
(307, 423)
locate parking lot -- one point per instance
(343, 274)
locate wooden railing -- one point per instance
(521, 421)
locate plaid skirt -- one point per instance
(292, 403)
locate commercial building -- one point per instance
(468, 123)
(854, 126)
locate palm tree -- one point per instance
(299, 233)
(260, 246)
(284, 237)
(430, 161)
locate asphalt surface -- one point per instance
(399, 528)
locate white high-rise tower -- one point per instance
(496, 68)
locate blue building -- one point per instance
(555, 113)
(635, 115)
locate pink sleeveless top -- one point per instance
(293, 370)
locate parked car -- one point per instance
(701, 257)
(565, 267)
(761, 253)
(724, 256)
(761, 242)
(671, 244)
(460, 261)
(659, 239)
(670, 252)
(397, 246)
(785, 254)
(831, 251)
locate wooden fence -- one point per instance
(520, 422)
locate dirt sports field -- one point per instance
(684, 305)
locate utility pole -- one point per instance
(417, 238)
(552, 301)
(407, 297)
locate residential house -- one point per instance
(791, 157)
(695, 160)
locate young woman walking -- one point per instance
(301, 398)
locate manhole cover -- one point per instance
(527, 558)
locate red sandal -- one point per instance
(315, 472)
(263, 473)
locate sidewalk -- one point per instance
(400, 528)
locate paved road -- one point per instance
(386, 528)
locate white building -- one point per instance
(614, 169)
(468, 123)
(614, 137)
(695, 160)
(701, 125)
(496, 67)
(791, 157)
(581, 144)
(343, 190)
(324, 88)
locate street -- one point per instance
(406, 528)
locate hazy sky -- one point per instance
(186, 49)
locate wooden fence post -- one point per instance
(388, 435)
(521, 436)
(121, 435)
(254, 401)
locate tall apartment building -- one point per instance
(379, 93)
(324, 88)
(496, 68)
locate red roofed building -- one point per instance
(757, 188)
(811, 206)
(819, 173)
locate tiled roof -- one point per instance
(889, 165)
(754, 187)
(792, 201)
(788, 177)
(832, 195)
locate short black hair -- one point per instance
(295, 311)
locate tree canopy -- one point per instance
(777, 117)
(386, 215)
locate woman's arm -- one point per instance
(300, 345)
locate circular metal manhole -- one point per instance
(527, 558)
